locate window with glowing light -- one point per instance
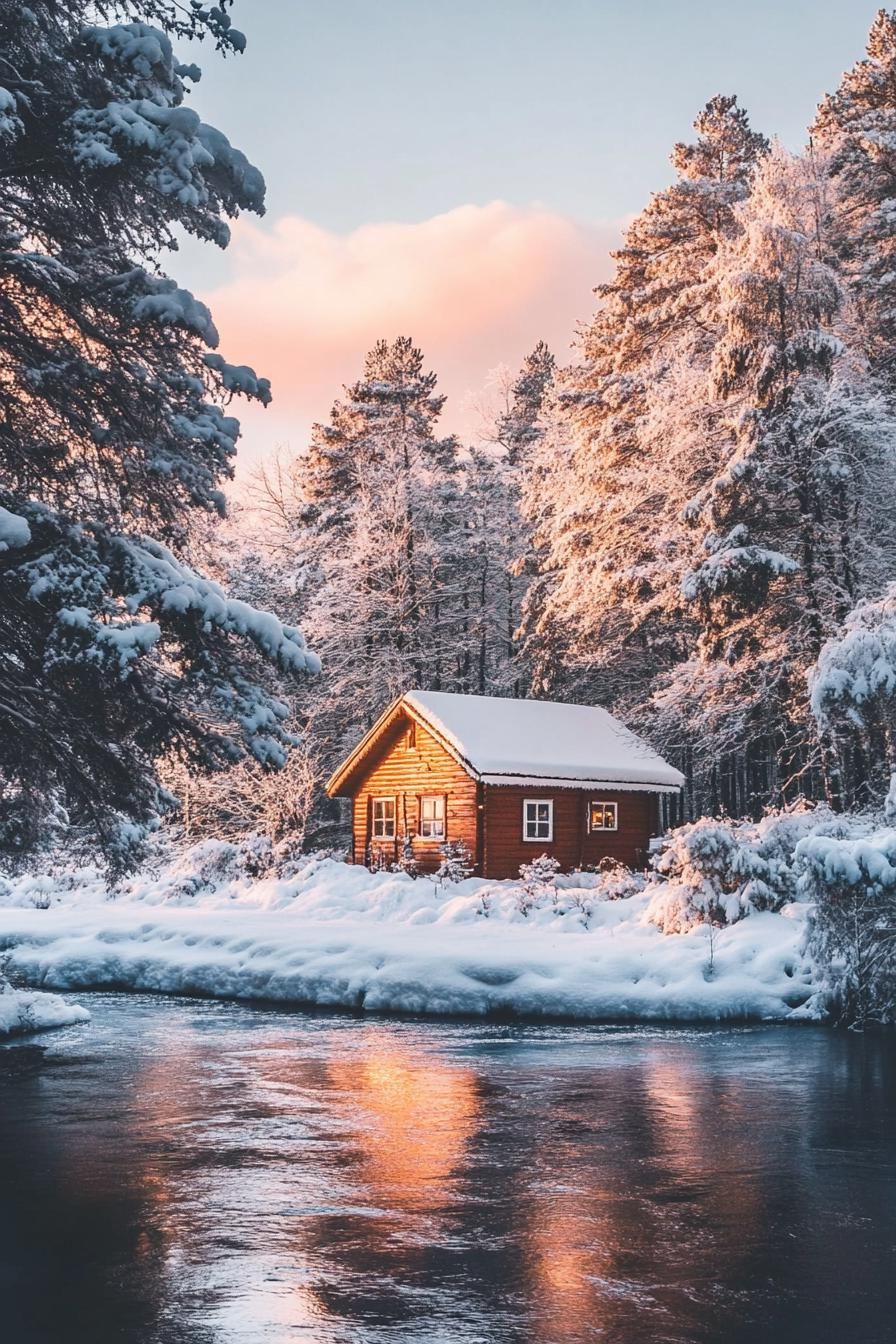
(384, 818)
(603, 816)
(432, 817)
(538, 819)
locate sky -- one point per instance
(458, 170)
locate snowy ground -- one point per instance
(337, 935)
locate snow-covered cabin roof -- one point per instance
(528, 742)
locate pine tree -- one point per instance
(113, 432)
(607, 496)
(790, 528)
(518, 427)
(499, 548)
(374, 517)
(855, 128)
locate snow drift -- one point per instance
(24, 1011)
(336, 935)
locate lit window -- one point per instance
(538, 819)
(432, 817)
(384, 818)
(603, 817)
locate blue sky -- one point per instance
(404, 108)
(405, 111)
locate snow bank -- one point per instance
(24, 1011)
(337, 935)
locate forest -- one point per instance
(686, 517)
(690, 522)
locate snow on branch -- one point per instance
(161, 581)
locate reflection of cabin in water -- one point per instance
(511, 778)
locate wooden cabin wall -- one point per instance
(405, 773)
(572, 845)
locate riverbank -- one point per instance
(336, 936)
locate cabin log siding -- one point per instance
(573, 846)
(406, 774)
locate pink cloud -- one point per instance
(474, 287)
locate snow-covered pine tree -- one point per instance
(606, 495)
(792, 526)
(489, 592)
(855, 128)
(518, 427)
(374, 513)
(112, 427)
(499, 563)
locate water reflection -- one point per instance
(412, 1115)
(207, 1172)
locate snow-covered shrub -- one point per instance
(583, 889)
(617, 882)
(716, 872)
(290, 859)
(537, 880)
(853, 692)
(212, 864)
(852, 928)
(406, 862)
(456, 862)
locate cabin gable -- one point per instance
(405, 766)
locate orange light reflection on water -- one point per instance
(415, 1116)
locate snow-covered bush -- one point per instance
(717, 871)
(210, 865)
(407, 862)
(714, 875)
(537, 880)
(456, 862)
(853, 695)
(852, 928)
(615, 881)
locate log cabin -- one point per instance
(512, 779)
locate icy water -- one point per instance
(205, 1172)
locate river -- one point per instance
(188, 1172)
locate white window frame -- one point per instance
(603, 802)
(440, 817)
(384, 820)
(536, 803)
